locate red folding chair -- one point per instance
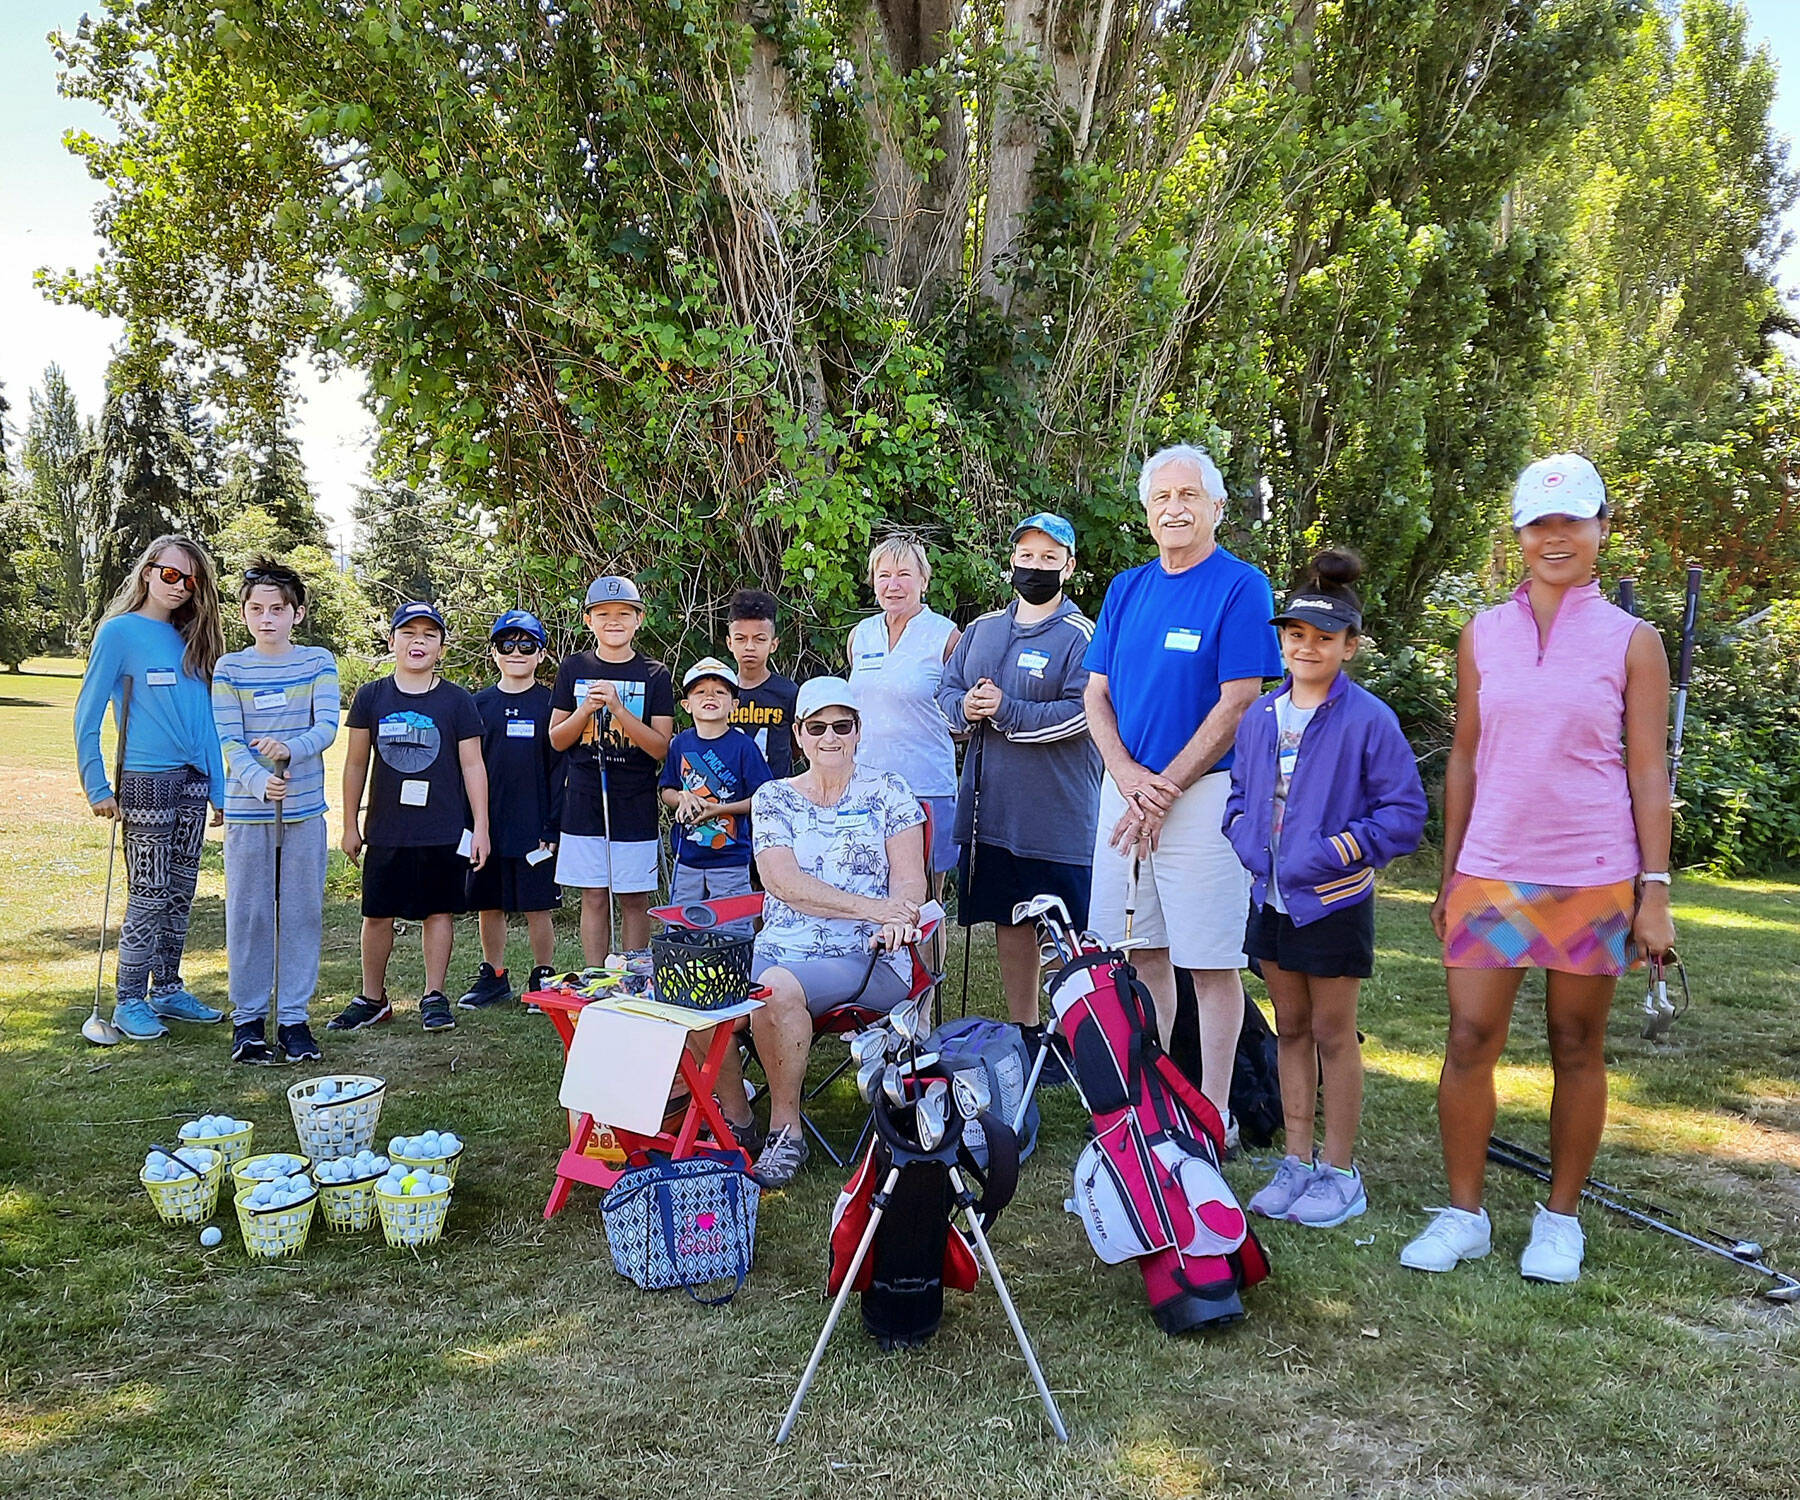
(847, 1016)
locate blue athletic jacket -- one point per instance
(1354, 802)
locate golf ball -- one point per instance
(211, 1235)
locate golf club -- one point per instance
(1660, 1012)
(1744, 1253)
(928, 1116)
(274, 1010)
(1690, 615)
(868, 1078)
(893, 1085)
(1628, 595)
(96, 1028)
(1131, 895)
(962, 897)
(869, 1045)
(972, 1093)
(613, 940)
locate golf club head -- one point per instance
(1747, 1250)
(868, 1046)
(100, 1031)
(868, 1078)
(972, 1093)
(1659, 1012)
(929, 1119)
(1030, 911)
(893, 1085)
(1788, 1291)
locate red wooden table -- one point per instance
(701, 1111)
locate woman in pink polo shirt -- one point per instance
(1556, 853)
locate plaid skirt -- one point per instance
(1497, 924)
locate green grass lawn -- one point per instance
(512, 1360)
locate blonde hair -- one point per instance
(901, 547)
(197, 620)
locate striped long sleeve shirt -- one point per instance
(292, 698)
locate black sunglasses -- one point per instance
(842, 728)
(517, 647)
(271, 575)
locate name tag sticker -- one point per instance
(870, 661)
(160, 677)
(392, 729)
(519, 729)
(1033, 661)
(465, 846)
(270, 698)
(538, 856)
(851, 821)
(1182, 640)
(584, 686)
(414, 793)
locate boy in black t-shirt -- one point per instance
(615, 703)
(524, 799)
(426, 739)
(765, 699)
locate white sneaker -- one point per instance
(1455, 1235)
(1556, 1248)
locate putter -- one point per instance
(974, 844)
(96, 1028)
(612, 895)
(1744, 1253)
(274, 1010)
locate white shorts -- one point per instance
(1193, 896)
(584, 861)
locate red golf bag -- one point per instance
(1148, 1186)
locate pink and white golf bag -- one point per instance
(1148, 1186)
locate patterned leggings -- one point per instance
(164, 814)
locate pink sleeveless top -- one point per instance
(1552, 804)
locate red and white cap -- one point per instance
(1564, 484)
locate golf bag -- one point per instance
(1148, 1186)
(917, 1251)
(997, 1051)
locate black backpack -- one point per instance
(1255, 1077)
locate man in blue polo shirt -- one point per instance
(1180, 651)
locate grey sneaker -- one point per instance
(750, 1135)
(1278, 1194)
(1330, 1198)
(782, 1156)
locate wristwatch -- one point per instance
(1655, 877)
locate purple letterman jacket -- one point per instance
(1354, 801)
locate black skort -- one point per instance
(1003, 879)
(414, 883)
(1340, 945)
(507, 883)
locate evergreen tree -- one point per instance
(59, 474)
(267, 474)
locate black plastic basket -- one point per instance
(703, 970)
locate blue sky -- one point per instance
(46, 206)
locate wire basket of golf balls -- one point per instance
(276, 1215)
(184, 1191)
(230, 1138)
(336, 1115)
(264, 1168)
(435, 1151)
(413, 1206)
(347, 1190)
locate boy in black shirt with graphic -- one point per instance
(425, 735)
(612, 702)
(765, 699)
(524, 799)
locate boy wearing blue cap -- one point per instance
(423, 737)
(612, 712)
(525, 779)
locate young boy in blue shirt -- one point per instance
(708, 779)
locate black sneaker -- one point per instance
(297, 1042)
(248, 1045)
(434, 1012)
(361, 1012)
(491, 987)
(541, 975)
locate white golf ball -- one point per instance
(439, 1182)
(397, 1146)
(211, 1235)
(450, 1143)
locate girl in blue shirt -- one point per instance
(159, 640)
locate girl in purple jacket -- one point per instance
(1324, 791)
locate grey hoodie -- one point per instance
(1040, 772)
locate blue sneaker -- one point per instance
(1283, 1190)
(138, 1021)
(1330, 1198)
(179, 1005)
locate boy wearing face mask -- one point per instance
(1030, 787)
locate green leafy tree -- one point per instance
(338, 613)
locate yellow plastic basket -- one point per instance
(188, 1199)
(270, 1233)
(234, 1148)
(408, 1222)
(332, 1128)
(348, 1207)
(443, 1165)
(242, 1181)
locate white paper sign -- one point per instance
(620, 1067)
(414, 793)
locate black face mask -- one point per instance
(1037, 585)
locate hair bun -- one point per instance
(1338, 565)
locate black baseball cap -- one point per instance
(1321, 611)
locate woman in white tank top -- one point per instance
(896, 659)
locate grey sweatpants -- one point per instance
(250, 917)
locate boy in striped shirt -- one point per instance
(276, 710)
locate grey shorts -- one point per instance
(831, 981)
(689, 884)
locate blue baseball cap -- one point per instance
(1053, 526)
(523, 621)
(418, 609)
(613, 590)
